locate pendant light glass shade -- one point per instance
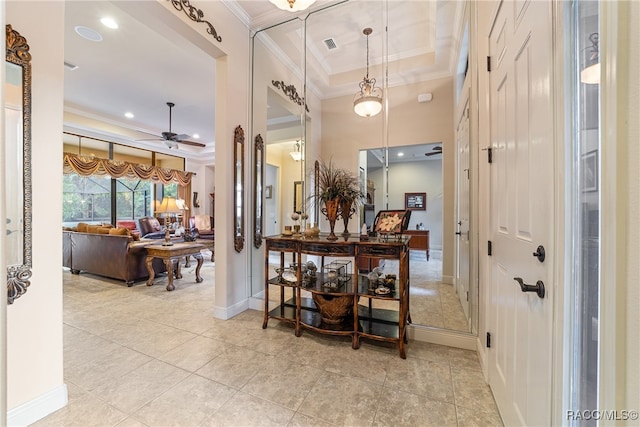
(368, 101)
(292, 5)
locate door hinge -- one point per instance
(467, 296)
(489, 64)
(488, 339)
(489, 248)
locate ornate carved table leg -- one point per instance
(152, 273)
(187, 261)
(178, 270)
(169, 264)
(199, 259)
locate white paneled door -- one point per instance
(522, 210)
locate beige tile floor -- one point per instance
(142, 356)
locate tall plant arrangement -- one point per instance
(338, 194)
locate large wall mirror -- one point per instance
(238, 188)
(17, 109)
(412, 146)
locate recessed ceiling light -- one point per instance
(196, 136)
(129, 115)
(400, 154)
(109, 23)
(88, 33)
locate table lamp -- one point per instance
(168, 206)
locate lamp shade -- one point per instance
(292, 5)
(367, 106)
(168, 205)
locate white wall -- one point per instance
(34, 322)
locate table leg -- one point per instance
(152, 273)
(199, 259)
(187, 262)
(178, 270)
(169, 264)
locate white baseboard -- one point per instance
(484, 362)
(226, 313)
(38, 408)
(448, 280)
(256, 302)
(442, 337)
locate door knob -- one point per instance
(458, 232)
(538, 288)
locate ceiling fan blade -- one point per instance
(193, 143)
(181, 137)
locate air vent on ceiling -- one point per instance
(330, 43)
(70, 66)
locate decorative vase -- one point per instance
(346, 212)
(330, 210)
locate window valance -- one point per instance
(89, 165)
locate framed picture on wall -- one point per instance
(268, 191)
(415, 201)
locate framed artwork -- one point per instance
(268, 191)
(589, 172)
(391, 221)
(415, 201)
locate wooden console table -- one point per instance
(419, 240)
(362, 320)
(171, 255)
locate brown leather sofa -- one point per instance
(117, 257)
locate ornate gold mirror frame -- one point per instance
(18, 164)
(258, 186)
(238, 188)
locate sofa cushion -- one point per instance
(119, 231)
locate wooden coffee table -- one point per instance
(171, 256)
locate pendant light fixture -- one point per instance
(368, 101)
(296, 154)
(590, 74)
(292, 5)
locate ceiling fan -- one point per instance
(435, 151)
(172, 139)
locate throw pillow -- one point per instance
(103, 230)
(82, 227)
(120, 231)
(92, 229)
(203, 222)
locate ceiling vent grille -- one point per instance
(330, 44)
(70, 66)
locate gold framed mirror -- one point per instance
(258, 184)
(238, 188)
(17, 108)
